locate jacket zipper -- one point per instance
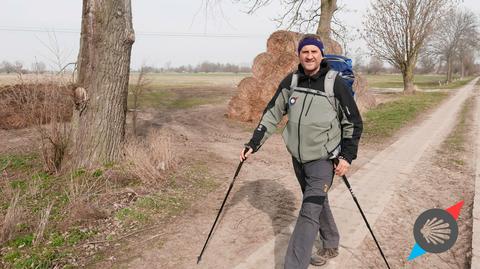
(310, 104)
(299, 123)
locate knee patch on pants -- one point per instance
(315, 200)
(312, 207)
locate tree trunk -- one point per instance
(407, 73)
(462, 74)
(324, 30)
(103, 62)
(449, 69)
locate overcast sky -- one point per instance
(166, 31)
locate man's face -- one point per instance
(310, 58)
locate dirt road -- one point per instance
(256, 225)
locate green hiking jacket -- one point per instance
(320, 125)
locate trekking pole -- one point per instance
(345, 180)
(221, 208)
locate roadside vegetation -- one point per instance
(68, 219)
(383, 121)
(421, 81)
(453, 150)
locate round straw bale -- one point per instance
(332, 47)
(285, 63)
(248, 89)
(282, 41)
(253, 96)
(238, 109)
(263, 65)
(268, 89)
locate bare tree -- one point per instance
(103, 68)
(428, 61)
(467, 63)
(305, 16)
(375, 65)
(396, 31)
(7, 67)
(458, 34)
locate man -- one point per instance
(323, 124)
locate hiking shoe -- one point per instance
(323, 255)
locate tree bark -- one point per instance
(324, 30)
(408, 74)
(103, 68)
(449, 69)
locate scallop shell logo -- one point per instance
(436, 231)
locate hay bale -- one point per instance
(248, 89)
(263, 65)
(253, 96)
(332, 47)
(267, 90)
(365, 100)
(282, 41)
(238, 109)
(285, 63)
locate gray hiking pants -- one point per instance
(315, 179)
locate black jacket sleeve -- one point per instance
(350, 117)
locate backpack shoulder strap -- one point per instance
(328, 86)
(294, 81)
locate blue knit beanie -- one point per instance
(310, 41)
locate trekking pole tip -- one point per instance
(198, 259)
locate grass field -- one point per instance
(162, 81)
(422, 81)
(180, 91)
(158, 80)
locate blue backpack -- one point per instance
(344, 66)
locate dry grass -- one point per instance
(82, 187)
(150, 157)
(42, 225)
(11, 219)
(47, 106)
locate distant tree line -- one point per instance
(17, 67)
(427, 64)
(204, 67)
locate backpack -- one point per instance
(344, 67)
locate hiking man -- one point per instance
(323, 124)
